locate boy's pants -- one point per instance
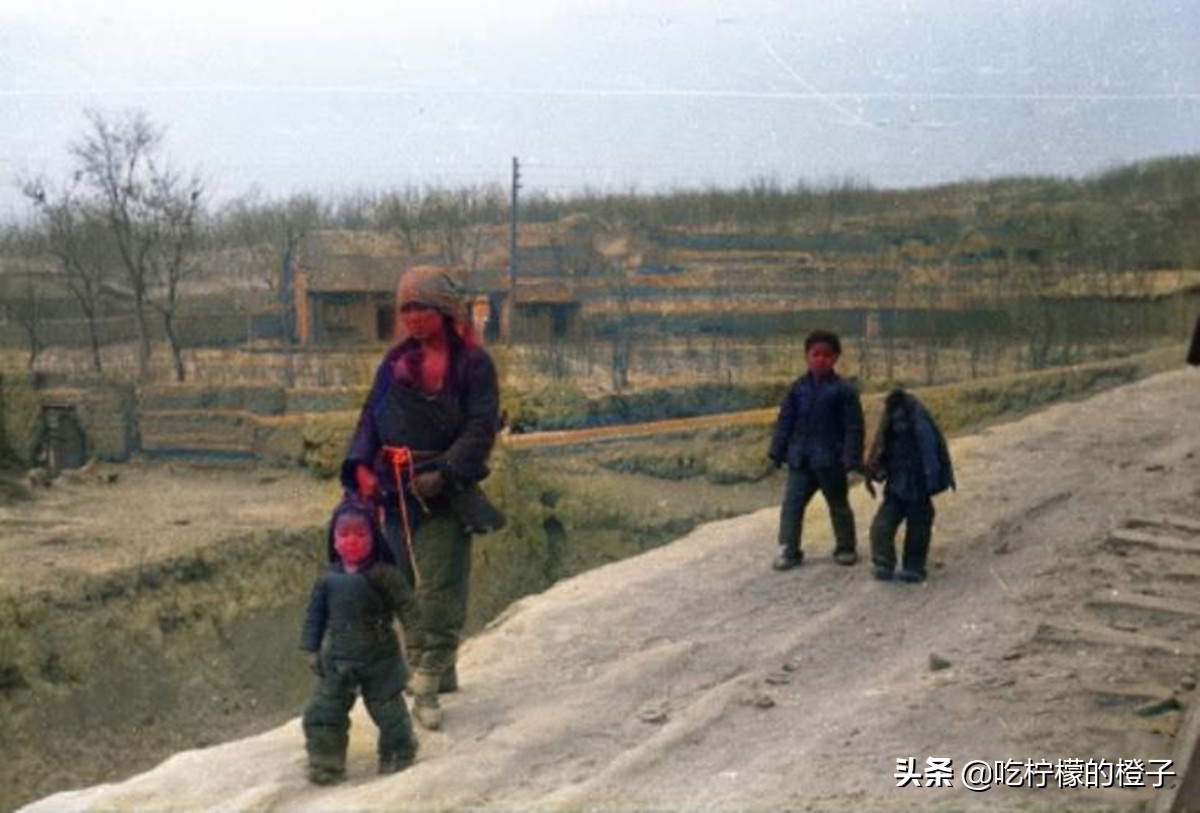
(327, 718)
(802, 484)
(918, 516)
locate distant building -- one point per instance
(548, 303)
(344, 302)
(344, 291)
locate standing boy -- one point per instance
(910, 453)
(819, 434)
(350, 615)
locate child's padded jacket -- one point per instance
(884, 458)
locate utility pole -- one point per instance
(511, 301)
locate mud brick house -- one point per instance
(344, 304)
(548, 303)
(343, 287)
(344, 290)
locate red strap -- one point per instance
(401, 457)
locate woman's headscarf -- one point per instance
(434, 286)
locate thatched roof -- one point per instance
(353, 261)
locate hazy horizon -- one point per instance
(655, 96)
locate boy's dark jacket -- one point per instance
(934, 463)
(820, 425)
(354, 611)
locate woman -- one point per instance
(419, 450)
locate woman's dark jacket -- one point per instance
(915, 462)
(459, 424)
(820, 425)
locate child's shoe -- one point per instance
(788, 559)
(845, 557)
(910, 576)
(325, 774)
(883, 574)
(395, 763)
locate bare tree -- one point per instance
(20, 294)
(400, 211)
(173, 255)
(452, 213)
(453, 218)
(622, 250)
(152, 214)
(77, 237)
(267, 237)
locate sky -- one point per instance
(275, 98)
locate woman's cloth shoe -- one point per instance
(425, 709)
(427, 712)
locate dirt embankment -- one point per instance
(1058, 624)
(155, 607)
(127, 632)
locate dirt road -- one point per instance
(1059, 623)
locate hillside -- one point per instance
(1055, 263)
(1057, 624)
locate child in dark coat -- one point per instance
(353, 647)
(819, 435)
(910, 455)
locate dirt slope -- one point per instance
(1060, 622)
(108, 518)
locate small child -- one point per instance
(910, 454)
(352, 646)
(819, 435)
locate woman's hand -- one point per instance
(367, 482)
(428, 484)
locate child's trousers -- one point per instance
(802, 484)
(327, 718)
(918, 518)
